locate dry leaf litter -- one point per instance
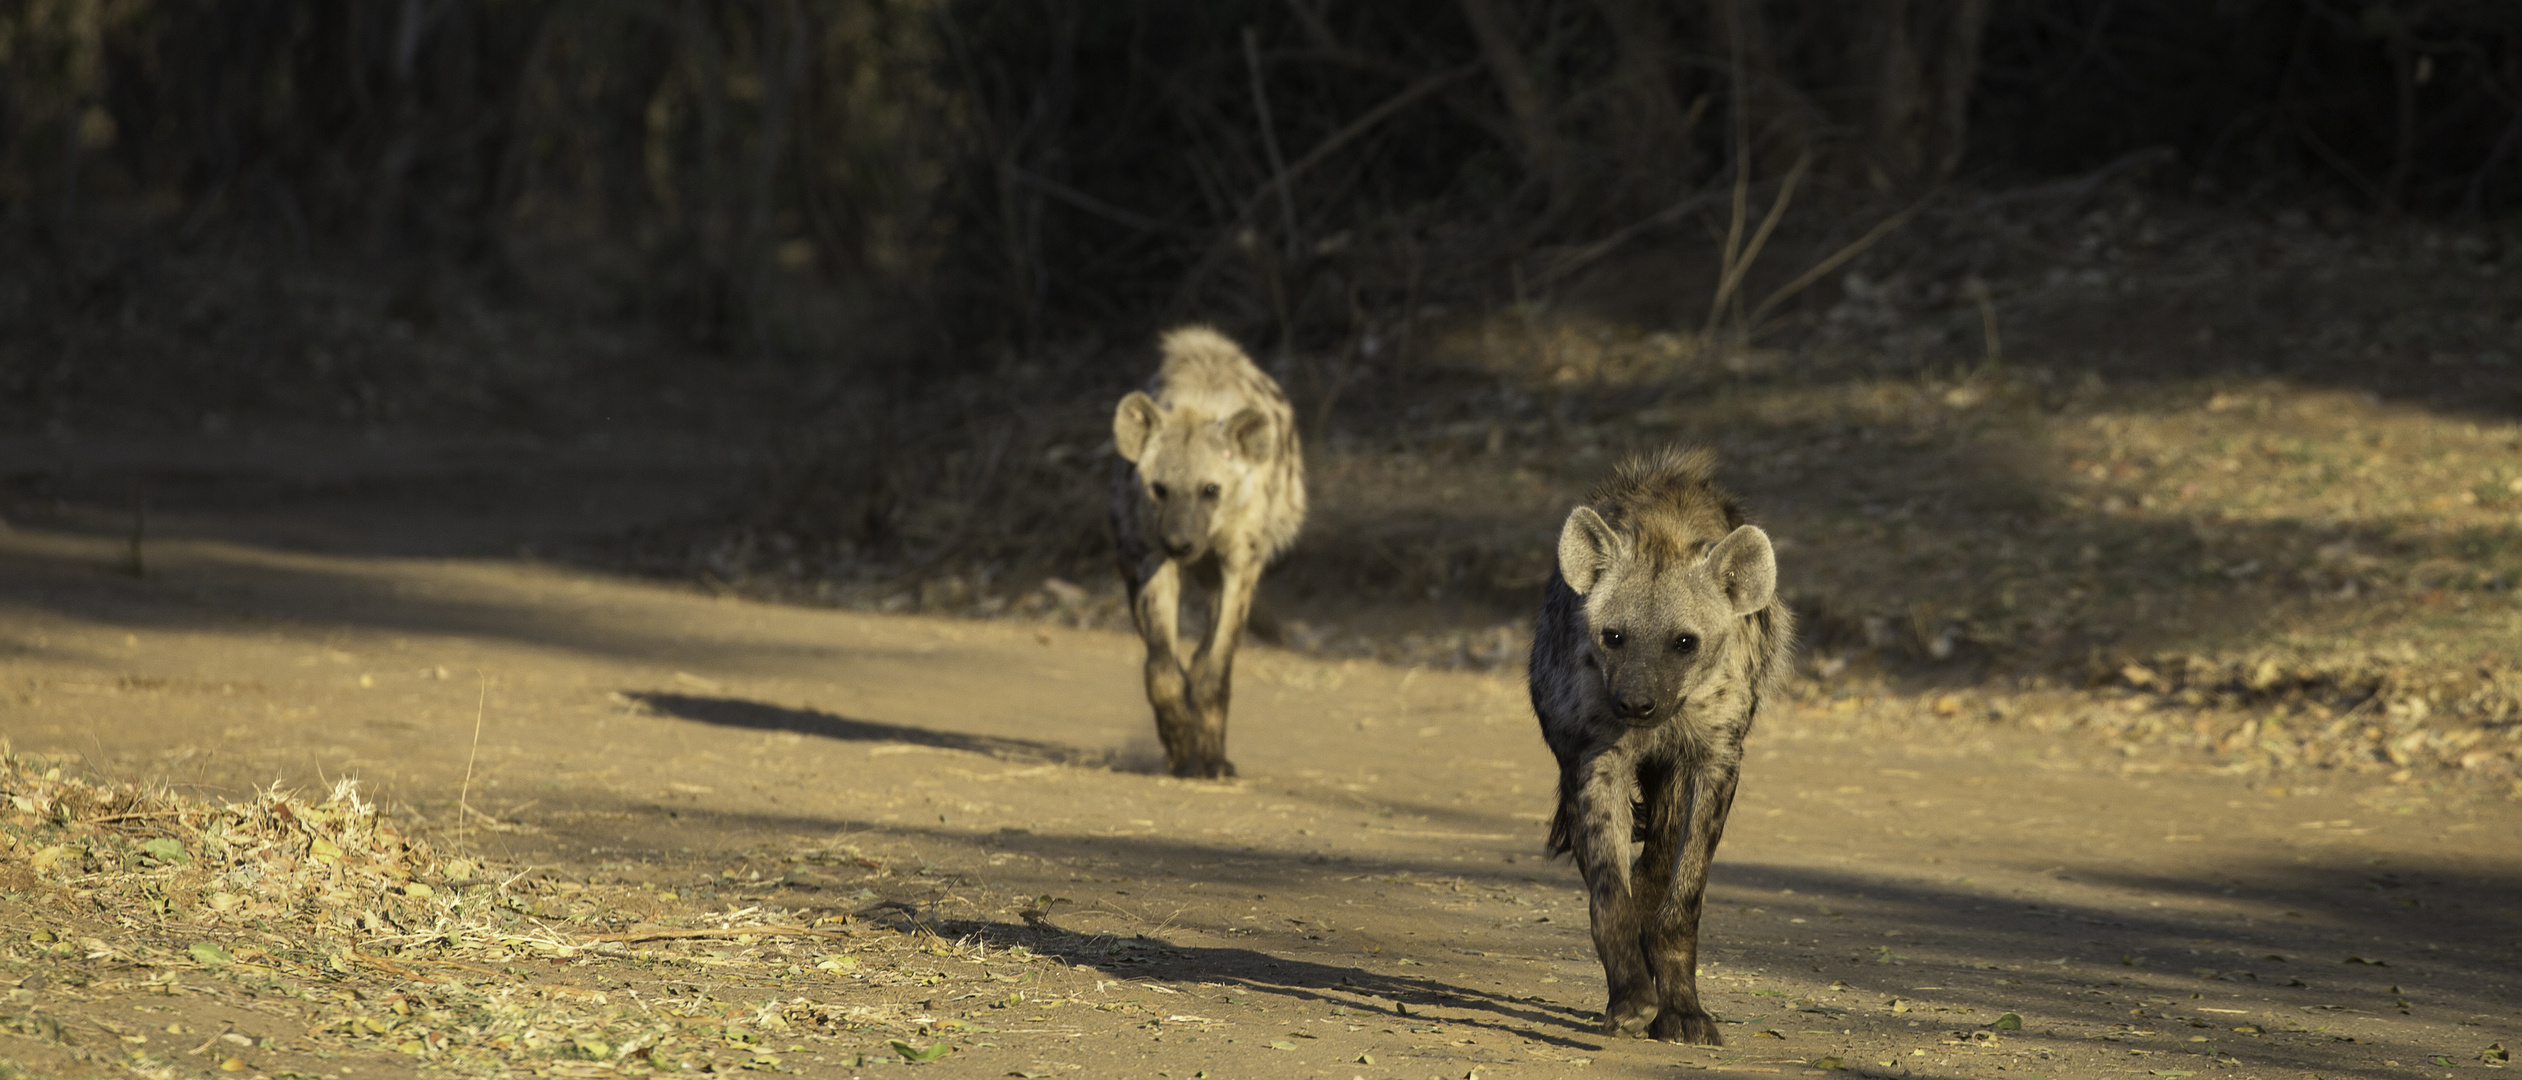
(471, 967)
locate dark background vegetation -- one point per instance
(910, 190)
(907, 251)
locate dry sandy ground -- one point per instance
(1368, 901)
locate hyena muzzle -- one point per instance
(1211, 488)
(1658, 637)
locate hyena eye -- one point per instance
(1208, 491)
(1686, 643)
(1157, 490)
(1612, 639)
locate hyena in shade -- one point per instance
(1658, 637)
(1212, 486)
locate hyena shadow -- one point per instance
(759, 716)
(1404, 998)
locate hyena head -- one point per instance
(1193, 466)
(1661, 619)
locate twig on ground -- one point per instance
(719, 932)
(464, 794)
(1988, 322)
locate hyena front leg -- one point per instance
(1155, 609)
(1665, 793)
(1603, 786)
(1213, 670)
(1672, 945)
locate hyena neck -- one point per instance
(1722, 714)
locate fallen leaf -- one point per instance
(1281, 1044)
(164, 849)
(209, 954)
(1830, 1063)
(232, 1065)
(931, 1052)
(2008, 1022)
(2494, 1052)
(1767, 1033)
(2362, 960)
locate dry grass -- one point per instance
(378, 942)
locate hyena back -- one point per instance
(1211, 487)
(1659, 635)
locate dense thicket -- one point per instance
(1011, 172)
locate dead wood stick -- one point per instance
(438, 963)
(1270, 141)
(135, 815)
(1835, 261)
(1738, 265)
(1224, 247)
(1585, 256)
(1364, 123)
(395, 966)
(732, 931)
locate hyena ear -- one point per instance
(1586, 548)
(1249, 433)
(1133, 423)
(1746, 569)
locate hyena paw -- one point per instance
(1628, 1019)
(1221, 769)
(1693, 1026)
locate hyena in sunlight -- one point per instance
(1659, 635)
(1211, 488)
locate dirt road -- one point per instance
(1367, 901)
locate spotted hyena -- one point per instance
(1211, 488)
(1658, 637)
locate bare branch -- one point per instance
(1836, 260)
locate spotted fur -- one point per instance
(1211, 487)
(1659, 635)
